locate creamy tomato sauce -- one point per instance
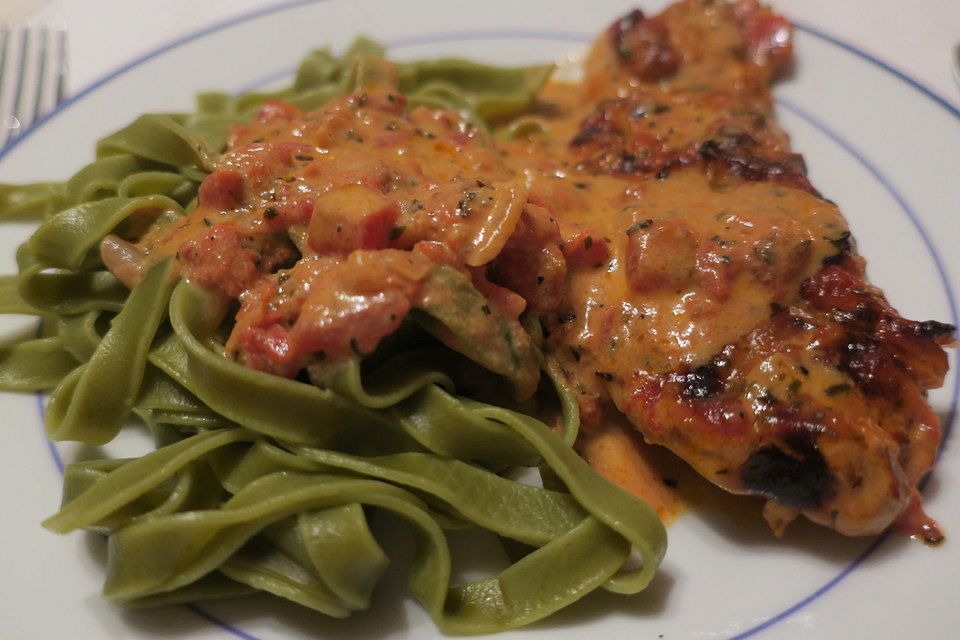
(692, 285)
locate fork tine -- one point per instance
(4, 114)
(33, 69)
(61, 69)
(4, 40)
(4, 37)
(956, 63)
(41, 75)
(21, 79)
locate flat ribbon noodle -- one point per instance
(260, 483)
(93, 402)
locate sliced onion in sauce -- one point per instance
(123, 259)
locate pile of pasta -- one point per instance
(262, 483)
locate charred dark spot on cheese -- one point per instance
(934, 330)
(596, 129)
(794, 473)
(738, 155)
(702, 382)
(845, 246)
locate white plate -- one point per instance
(876, 142)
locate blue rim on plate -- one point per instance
(433, 38)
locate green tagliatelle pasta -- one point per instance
(262, 483)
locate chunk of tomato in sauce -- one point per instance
(661, 256)
(768, 37)
(715, 271)
(326, 307)
(221, 260)
(586, 248)
(221, 190)
(277, 110)
(643, 46)
(271, 112)
(532, 263)
(268, 349)
(262, 163)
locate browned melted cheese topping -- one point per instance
(700, 260)
(685, 271)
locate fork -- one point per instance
(33, 73)
(956, 63)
